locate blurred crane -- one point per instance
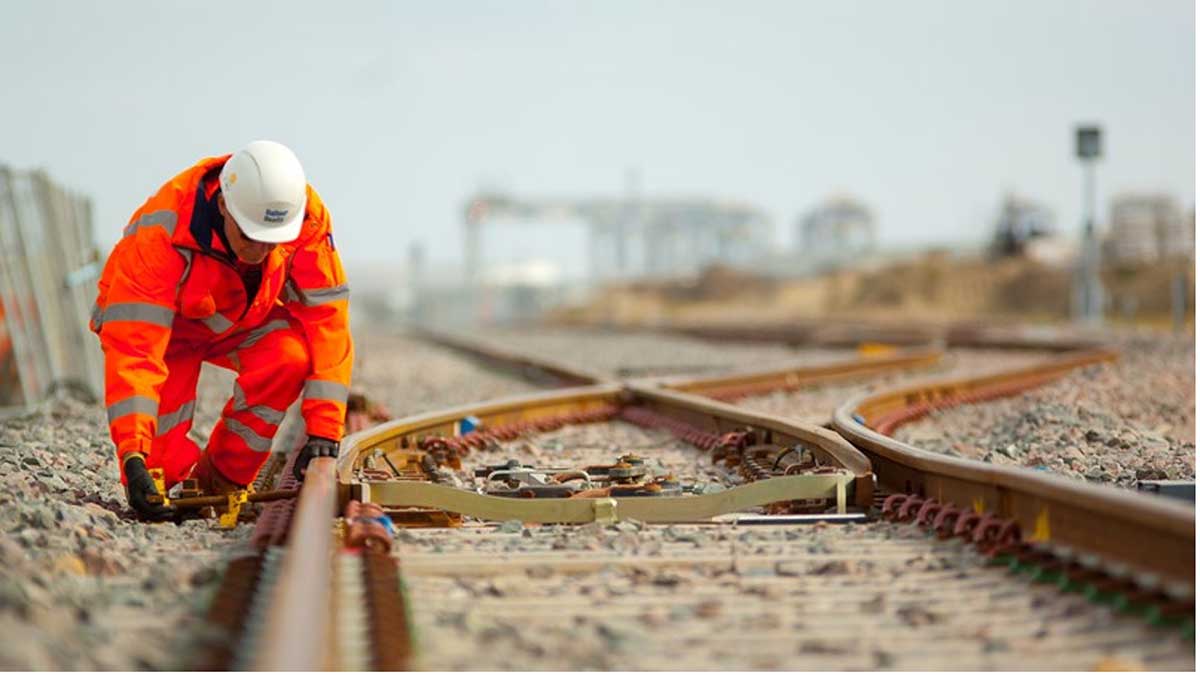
(838, 229)
(631, 236)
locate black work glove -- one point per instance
(139, 487)
(316, 447)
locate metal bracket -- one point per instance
(160, 484)
(233, 507)
(605, 510)
(689, 508)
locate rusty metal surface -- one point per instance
(749, 382)
(295, 635)
(848, 333)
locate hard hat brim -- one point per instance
(280, 234)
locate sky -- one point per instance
(929, 111)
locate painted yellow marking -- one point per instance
(1041, 527)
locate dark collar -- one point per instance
(207, 220)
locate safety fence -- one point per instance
(49, 264)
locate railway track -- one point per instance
(967, 334)
(921, 562)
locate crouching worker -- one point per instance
(231, 262)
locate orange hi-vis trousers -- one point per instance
(272, 361)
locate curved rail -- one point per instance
(672, 408)
(750, 382)
(1146, 533)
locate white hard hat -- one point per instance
(265, 191)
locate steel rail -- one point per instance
(297, 633)
(1140, 531)
(726, 417)
(965, 334)
(762, 380)
(573, 510)
(1146, 533)
(537, 369)
(447, 422)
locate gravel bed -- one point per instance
(85, 587)
(1113, 423)
(641, 354)
(816, 404)
(638, 597)
(411, 376)
(82, 585)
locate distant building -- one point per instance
(839, 228)
(1146, 228)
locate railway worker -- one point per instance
(230, 262)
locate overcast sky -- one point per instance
(928, 111)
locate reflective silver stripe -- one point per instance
(239, 397)
(264, 413)
(171, 420)
(289, 292)
(267, 414)
(165, 218)
(217, 323)
(250, 436)
(321, 296)
(326, 390)
(138, 311)
(258, 333)
(96, 314)
(187, 266)
(133, 404)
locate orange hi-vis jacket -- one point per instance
(159, 286)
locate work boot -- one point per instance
(210, 479)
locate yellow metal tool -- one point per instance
(160, 484)
(233, 507)
(233, 501)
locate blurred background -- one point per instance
(624, 163)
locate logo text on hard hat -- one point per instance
(275, 215)
(232, 179)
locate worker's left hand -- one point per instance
(316, 447)
(140, 489)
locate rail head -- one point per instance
(871, 406)
(965, 334)
(786, 376)
(297, 630)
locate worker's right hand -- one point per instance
(316, 447)
(139, 487)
